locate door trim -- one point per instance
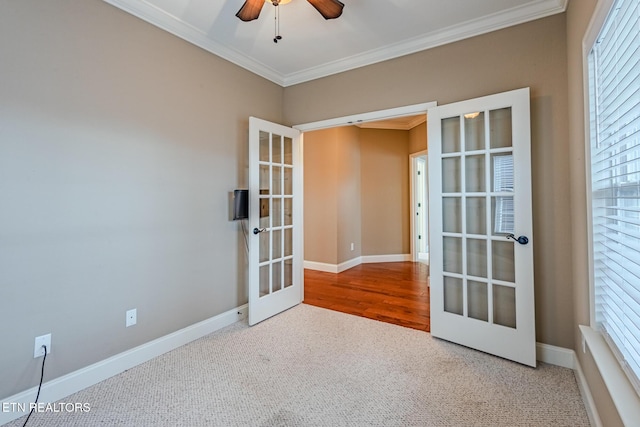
(412, 190)
(390, 113)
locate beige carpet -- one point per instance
(314, 367)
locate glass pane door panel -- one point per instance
(288, 181)
(451, 181)
(502, 172)
(500, 127)
(265, 183)
(504, 306)
(477, 257)
(276, 284)
(264, 280)
(288, 151)
(277, 212)
(264, 246)
(451, 135)
(288, 242)
(288, 273)
(452, 254)
(474, 174)
(277, 244)
(477, 300)
(264, 146)
(277, 180)
(474, 131)
(452, 214)
(265, 208)
(288, 211)
(502, 215)
(476, 215)
(503, 261)
(453, 298)
(277, 148)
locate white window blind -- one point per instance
(614, 68)
(503, 181)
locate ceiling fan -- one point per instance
(329, 9)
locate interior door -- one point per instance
(481, 225)
(275, 219)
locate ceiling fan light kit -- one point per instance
(250, 10)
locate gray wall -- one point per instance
(119, 144)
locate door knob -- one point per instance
(258, 230)
(523, 240)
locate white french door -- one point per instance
(275, 219)
(481, 225)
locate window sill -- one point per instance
(622, 393)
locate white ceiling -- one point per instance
(368, 31)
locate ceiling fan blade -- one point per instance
(250, 10)
(330, 9)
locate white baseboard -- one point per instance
(320, 266)
(370, 259)
(343, 266)
(365, 259)
(554, 355)
(73, 382)
(587, 397)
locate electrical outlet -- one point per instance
(38, 350)
(132, 317)
(353, 246)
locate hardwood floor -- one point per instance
(395, 292)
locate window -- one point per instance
(614, 86)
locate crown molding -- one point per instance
(518, 15)
(472, 28)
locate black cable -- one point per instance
(39, 387)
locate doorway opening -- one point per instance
(331, 284)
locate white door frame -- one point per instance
(391, 113)
(412, 186)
